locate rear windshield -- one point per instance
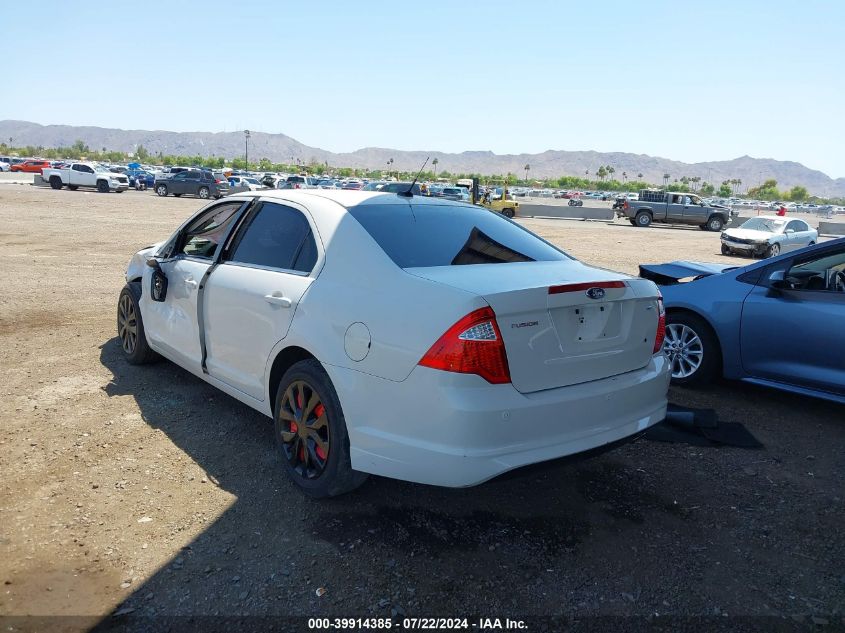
(446, 235)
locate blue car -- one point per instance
(134, 174)
(778, 323)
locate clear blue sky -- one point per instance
(693, 81)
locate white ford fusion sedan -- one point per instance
(405, 336)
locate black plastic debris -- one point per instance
(700, 427)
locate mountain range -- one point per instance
(281, 148)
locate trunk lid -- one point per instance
(555, 333)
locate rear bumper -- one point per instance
(458, 430)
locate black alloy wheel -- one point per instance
(306, 440)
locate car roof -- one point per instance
(345, 198)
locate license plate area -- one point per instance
(590, 323)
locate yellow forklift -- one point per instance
(503, 203)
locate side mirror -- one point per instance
(789, 231)
(158, 282)
(777, 280)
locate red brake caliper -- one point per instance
(319, 410)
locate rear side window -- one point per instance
(440, 235)
(277, 236)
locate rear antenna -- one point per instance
(410, 192)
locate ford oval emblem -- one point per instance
(595, 293)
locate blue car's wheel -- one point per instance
(692, 349)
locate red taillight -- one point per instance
(556, 290)
(661, 326)
(626, 206)
(217, 182)
(472, 346)
(297, 186)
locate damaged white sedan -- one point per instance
(768, 236)
(399, 335)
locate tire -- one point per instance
(642, 219)
(318, 477)
(55, 182)
(134, 344)
(102, 186)
(120, 190)
(715, 223)
(633, 222)
(725, 250)
(508, 213)
(690, 339)
(703, 227)
(73, 187)
(203, 193)
(773, 250)
(161, 190)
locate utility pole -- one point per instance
(246, 149)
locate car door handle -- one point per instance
(191, 283)
(278, 299)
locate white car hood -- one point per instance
(750, 234)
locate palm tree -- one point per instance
(526, 168)
(610, 171)
(602, 172)
(734, 183)
(665, 179)
(640, 175)
(624, 177)
(389, 163)
(434, 163)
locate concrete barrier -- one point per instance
(527, 210)
(832, 228)
(38, 181)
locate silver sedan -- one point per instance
(769, 236)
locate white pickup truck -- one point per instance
(78, 175)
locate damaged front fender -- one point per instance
(135, 268)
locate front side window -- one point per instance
(203, 236)
(277, 236)
(440, 235)
(819, 272)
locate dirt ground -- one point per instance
(143, 490)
